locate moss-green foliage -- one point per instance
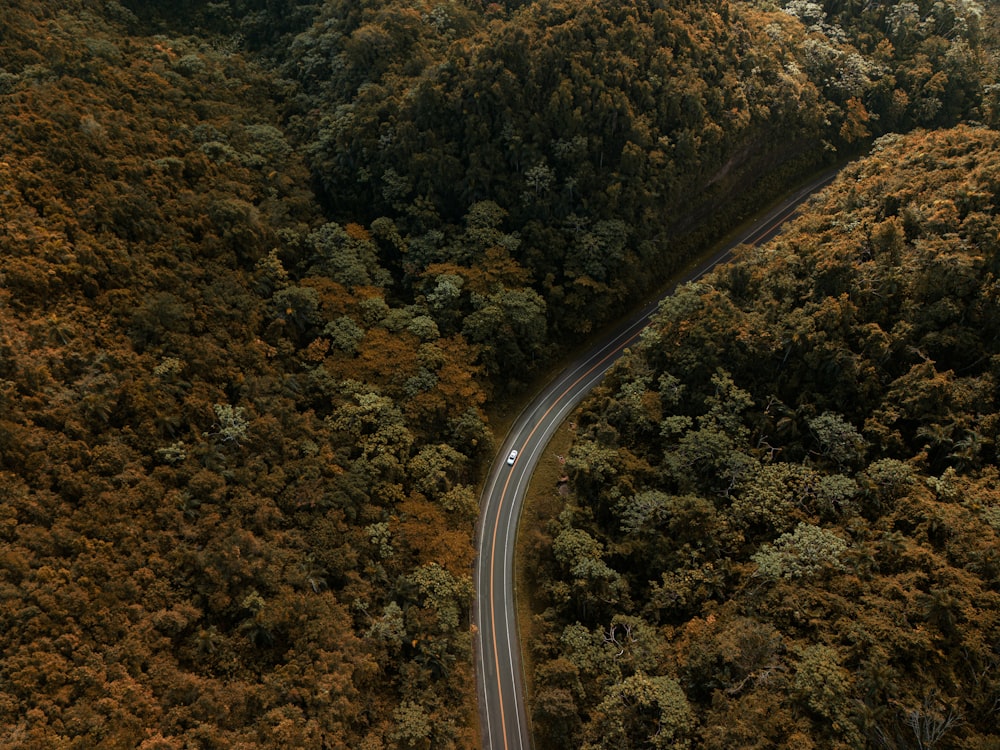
(607, 132)
(588, 124)
(808, 541)
(240, 427)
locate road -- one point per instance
(502, 709)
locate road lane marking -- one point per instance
(618, 347)
(622, 340)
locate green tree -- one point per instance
(413, 726)
(349, 258)
(825, 687)
(509, 328)
(773, 497)
(804, 552)
(595, 583)
(839, 441)
(641, 711)
(434, 469)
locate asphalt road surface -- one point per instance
(500, 684)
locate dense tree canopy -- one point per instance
(227, 523)
(785, 497)
(607, 132)
(265, 263)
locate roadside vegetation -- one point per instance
(783, 525)
(267, 263)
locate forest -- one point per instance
(783, 525)
(270, 268)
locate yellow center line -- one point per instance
(496, 523)
(754, 239)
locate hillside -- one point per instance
(615, 138)
(267, 263)
(784, 519)
(226, 521)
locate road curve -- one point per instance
(499, 677)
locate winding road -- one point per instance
(503, 713)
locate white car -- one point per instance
(511, 458)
